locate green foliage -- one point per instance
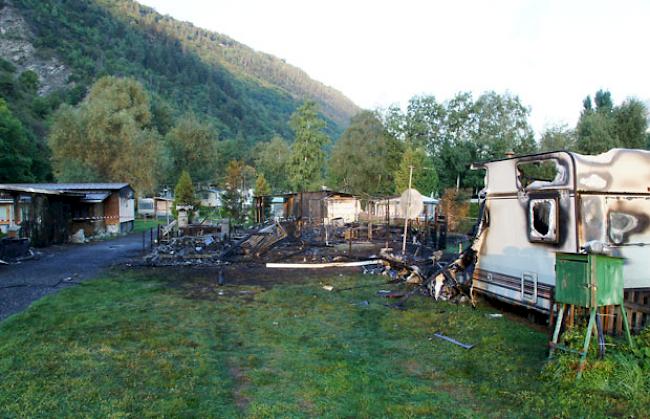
(307, 161)
(610, 126)
(15, 148)
(32, 111)
(29, 81)
(108, 135)
(364, 160)
(502, 126)
(184, 192)
(558, 137)
(603, 101)
(162, 115)
(425, 178)
(7, 66)
(239, 178)
(423, 122)
(193, 148)
(596, 133)
(462, 131)
(77, 171)
(623, 375)
(631, 123)
(239, 91)
(227, 151)
(271, 159)
(261, 187)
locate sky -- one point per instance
(549, 53)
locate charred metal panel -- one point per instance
(617, 171)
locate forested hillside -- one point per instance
(242, 60)
(95, 38)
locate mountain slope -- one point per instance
(94, 38)
(242, 60)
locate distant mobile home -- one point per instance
(541, 204)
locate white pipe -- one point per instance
(323, 265)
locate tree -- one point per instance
(227, 151)
(184, 193)
(108, 134)
(261, 187)
(365, 158)
(456, 150)
(184, 190)
(15, 148)
(271, 159)
(610, 126)
(307, 155)
(425, 178)
(162, 115)
(596, 133)
(423, 122)
(29, 81)
(232, 197)
(558, 137)
(631, 123)
(502, 126)
(603, 101)
(193, 147)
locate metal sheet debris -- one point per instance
(454, 341)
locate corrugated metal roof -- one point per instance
(69, 186)
(27, 187)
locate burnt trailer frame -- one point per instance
(597, 202)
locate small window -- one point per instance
(539, 173)
(542, 220)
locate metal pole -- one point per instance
(408, 209)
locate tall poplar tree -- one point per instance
(307, 154)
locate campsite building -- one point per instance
(50, 212)
(321, 207)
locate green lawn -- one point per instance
(154, 344)
(140, 225)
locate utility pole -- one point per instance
(408, 209)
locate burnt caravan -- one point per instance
(541, 204)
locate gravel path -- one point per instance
(58, 267)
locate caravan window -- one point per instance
(542, 220)
(538, 173)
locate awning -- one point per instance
(95, 197)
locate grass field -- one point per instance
(144, 344)
(140, 225)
